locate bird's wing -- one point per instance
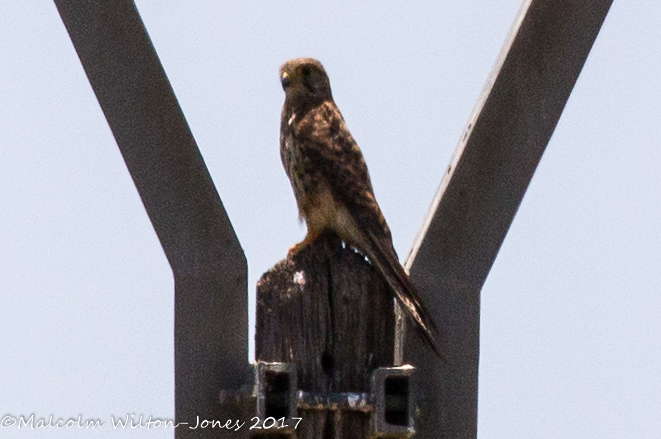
(334, 152)
(392, 271)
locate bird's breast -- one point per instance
(319, 208)
(302, 174)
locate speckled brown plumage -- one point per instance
(332, 184)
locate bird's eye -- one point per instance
(285, 80)
(305, 71)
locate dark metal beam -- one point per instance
(210, 270)
(480, 193)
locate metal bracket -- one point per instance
(274, 395)
(276, 391)
(394, 405)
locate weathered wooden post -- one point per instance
(327, 312)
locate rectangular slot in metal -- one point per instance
(276, 393)
(396, 389)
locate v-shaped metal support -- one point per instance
(460, 238)
(480, 193)
(209, 267)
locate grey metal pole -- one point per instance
(210, 270)
(480, 193)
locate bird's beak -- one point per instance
(285, 80)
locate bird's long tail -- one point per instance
(385, 261)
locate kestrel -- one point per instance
(331, 183)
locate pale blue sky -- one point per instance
(571, 334)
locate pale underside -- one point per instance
(322, 212)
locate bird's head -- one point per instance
(305, 82)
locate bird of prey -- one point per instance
(331, 183)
